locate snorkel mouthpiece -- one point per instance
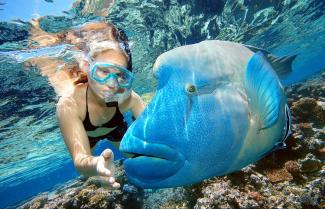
(111, 104)
(116, 97)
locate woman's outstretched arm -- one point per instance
(76, 140)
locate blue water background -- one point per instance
(33, 156)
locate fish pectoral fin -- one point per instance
(281, 65)
(264, 90)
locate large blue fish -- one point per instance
(219, 106)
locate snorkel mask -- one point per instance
(113, 76)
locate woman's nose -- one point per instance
(112, 82)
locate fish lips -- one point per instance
(152, 162)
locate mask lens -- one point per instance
(105, 71)
(124, 78)
(102, 72)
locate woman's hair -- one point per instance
(81, 77)
(123, 39)
(87, 40)
(96, 34)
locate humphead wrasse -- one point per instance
(219, 106)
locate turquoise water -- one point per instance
(33, 157)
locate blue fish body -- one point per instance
(218, 107)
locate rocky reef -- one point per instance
(13, 35)
(97, 7)
(288, 178)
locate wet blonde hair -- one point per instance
(64, 72)
(96, 37)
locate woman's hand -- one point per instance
(105, 168)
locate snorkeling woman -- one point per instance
(94, 109)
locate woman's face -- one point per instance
(109, 56)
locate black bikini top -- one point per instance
(116, 121)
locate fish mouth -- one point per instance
(151, 163)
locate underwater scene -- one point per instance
(162, 104)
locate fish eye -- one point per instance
(190, 88)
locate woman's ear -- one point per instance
(84, 65)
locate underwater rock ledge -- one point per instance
(289, 178)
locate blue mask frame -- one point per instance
(126, 72)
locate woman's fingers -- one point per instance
(105, 168)
(107, 154)
(116, 185)
(108, 157)
(102, 170)
(110, 181)
(105, 163)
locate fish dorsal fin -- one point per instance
(263, 90)
(281, 65)
(257, 49)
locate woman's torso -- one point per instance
(100, 122)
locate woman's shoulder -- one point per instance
(79, 92)
(74, 100)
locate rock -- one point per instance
(37, 203)
(278, 175)
(166, 198)
(98, 201)
(299, 137)
(292, 167)
(90, 193)
(89, 7)
(256, 196)
(322, 152)
(129, 189)
(306, 129)
(256, 181)
(308, 110)
(312, 197)
(321, 134)
(55, 24)
(237, 178)
(310, 164)
(13, 32)
(221, 194)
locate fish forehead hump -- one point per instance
(209, 58)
